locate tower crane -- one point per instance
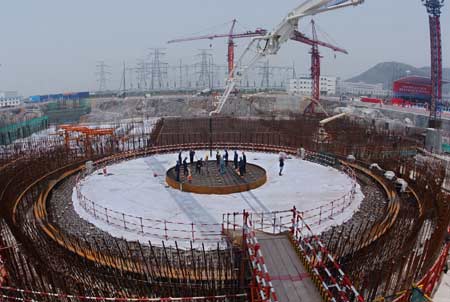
(434, 12)
(315, 60)
(231, 45)
(270, 43)
(298, 36)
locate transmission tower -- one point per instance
(159, 68)
(130, 74)
(434, 12)
(265, 73)
(142, 72)
(205, 69)
(123, 82)
(188, 76)
(103, 75)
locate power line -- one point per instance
(142, 72)
(265, 73)
(205, 77)
(103, 75)
(131, 72)
(158, 68)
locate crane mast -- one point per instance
(315, 61)
(270, 43)
(434, 12)
(230, 55)
(315, 68)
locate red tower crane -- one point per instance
(315, 61)
(231, 36)
(298, 36)
(434, 11)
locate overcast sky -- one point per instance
(50, 46)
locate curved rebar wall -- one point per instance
(404, 253)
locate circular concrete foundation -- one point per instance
(211, 181)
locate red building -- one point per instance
(413, 89)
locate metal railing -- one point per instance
(275, 221)
(326, 272)
(263, 282)
(280, 221)
(157, 228)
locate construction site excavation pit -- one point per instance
(133, 201)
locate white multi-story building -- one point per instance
(361, 89)
(9, 99)
(303, 85)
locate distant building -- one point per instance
(59, 97)
(303, 86)
(414, 88)
(361, 89)
(9, 99)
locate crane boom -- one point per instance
(300, 37)
(231, 36)
(285, 30)
(249, 34)
(270, 43)
(332, 118)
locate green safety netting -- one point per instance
(15, 131)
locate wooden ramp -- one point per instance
(289, 278)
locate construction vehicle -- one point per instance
(297, 36)
(270, 43)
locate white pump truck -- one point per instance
(270, 43)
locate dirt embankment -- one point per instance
(117, 109)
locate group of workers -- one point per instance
(240, 164)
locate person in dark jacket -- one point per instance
(241, 167)
(177, 171)
(185, 167)
(281, 165)
(244, 159)
(191, 156)
(225, 158)
(222, 166)
(217, 158)
(180, 154)
(236, 162)
(198, 166)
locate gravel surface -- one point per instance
(61, 212)
(371, 209)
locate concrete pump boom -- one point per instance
(270, 43)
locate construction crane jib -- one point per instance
(270, 43)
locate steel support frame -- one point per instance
(436, 72)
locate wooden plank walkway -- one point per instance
(289, 278)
